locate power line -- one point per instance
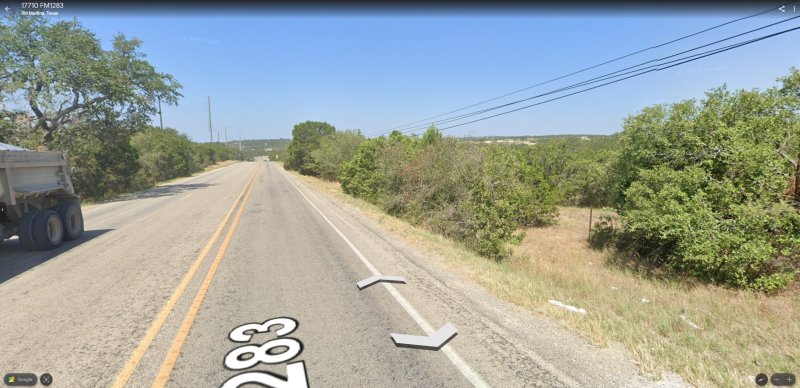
(717, 51)
(591, 67)
(606, 76)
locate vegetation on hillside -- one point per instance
(274, 149)
(706, 189)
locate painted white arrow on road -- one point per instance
(377, 279)
(432, 342)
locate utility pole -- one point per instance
(226, 136)
(210, 132)
(217, 136)
(160, 117)
(240, 142)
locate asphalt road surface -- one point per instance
(157, 292)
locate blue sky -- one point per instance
(374, 71)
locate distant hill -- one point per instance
(274, 148)
(530, 140)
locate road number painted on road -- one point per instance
(291, 347)
(240, 334)
(262, 353)
(296, 378)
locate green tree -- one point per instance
(63, 74)
(588, 185)
(790, 87)
(79, 97)
(334, 151)
(576, 168)
(102, 159)
(375, 171)
(306, 138)
(703, 188)
(163, 154)
(431, 136)
(362, 176)
(12, 131)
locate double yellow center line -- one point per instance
(180, 338)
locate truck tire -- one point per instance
(72, 219)
(48, 230)
(25, 230)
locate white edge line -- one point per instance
(459, 363)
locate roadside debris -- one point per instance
(688, 322)
(568, 307)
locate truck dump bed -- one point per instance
(27, 174)
(37, 199)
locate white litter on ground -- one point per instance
(645, 301)
(566, 306)
(690, 323)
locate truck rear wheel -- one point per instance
(25, 230)
(48, 230)
(72, 218)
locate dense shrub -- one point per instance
(480, 196)
(163, 154)
(205, 154)
(109, 158)
(102, 159)
(703, 188)
(363, 175)
(576, 167)
(334, 151)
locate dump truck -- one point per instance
(37, 200)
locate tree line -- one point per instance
(479, 195)
(60, 90)
(706, 188)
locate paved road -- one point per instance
(150, 296)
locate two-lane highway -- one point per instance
(172, 286)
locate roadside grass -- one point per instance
(741, 333)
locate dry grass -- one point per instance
(741, 333)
